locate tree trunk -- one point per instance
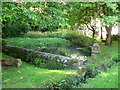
(93, 30)
(93, 36)
(101, 37)
(108, 35)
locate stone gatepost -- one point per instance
(95, 50)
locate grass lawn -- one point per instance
(30, 76)
(37, 42)
(107, 79)
(106, 55)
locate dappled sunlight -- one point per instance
(115, 73)
(62, 72)
(104, 74)
(71, 73)
(73, 55)
(57, 71)
(43, 72)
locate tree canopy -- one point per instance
(50, 16)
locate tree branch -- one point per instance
(88, 27)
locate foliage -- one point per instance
(50, 16)
(16, 30)
(6, 56)
(35, 34)
(107, 79)
(54, 50)
(115, 37)
(67, 82)
(116, 58)
(49, 64)
(79, 13)
(74, 37)
(40, 16)
(54, 64)
(35, 77)
(80, 81)
(3, 42)
(79, 39)
(95, 66)
(38, 42)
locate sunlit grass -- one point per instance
(37, 42)
(30, 76)
(107, 79)
(107, 52)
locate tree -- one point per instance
(82, 13)
(108, 12)
(39, 16)
(78, 14)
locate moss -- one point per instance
(73, 61)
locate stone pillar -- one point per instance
(95, 50)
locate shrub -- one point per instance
(35, 35)
(3, 42)
(67, 82)
(32, 34)
(15, 30)
(115, 37)
(107, 79)
(73, 36)
(42, 63)
(116, 58)
(54, 64)
(79, 39)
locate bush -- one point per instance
(42, 63)
(32, 34)
(107, 79)
(116, 58)
(15, 30)
(115, 37)
(80, 40)
(38, 42)
(3, 42)
(54, 64)
(73, 36)
(67, 82)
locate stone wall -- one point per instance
(22, 53)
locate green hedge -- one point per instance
(79, 39)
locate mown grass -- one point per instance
(37, 42)
(107, 79)
(106, 55)
(35, 80)
(30, 76)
